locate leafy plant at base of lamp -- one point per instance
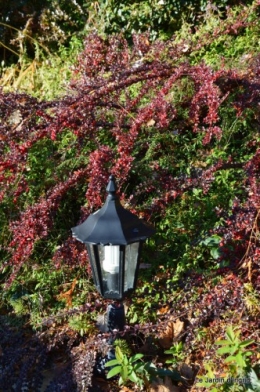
(130, 369)
(135, 370)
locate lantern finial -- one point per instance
(111, 187)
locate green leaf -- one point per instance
(113, 372)
(222, 342)
(211, 241)
(230, 358)
(119, 354)
(230, 333)
(113, 362)
(134, 318)
(135, 357)
(124, 372)
(133, 377)
(224, 350)
(215, 253)
(240, 360)
(246, 343)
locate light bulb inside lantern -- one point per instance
(111, 259)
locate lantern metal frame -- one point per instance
(113, 225)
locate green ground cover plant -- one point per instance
(130, 369)
(240, 376)
(39, 47)
(181, 134)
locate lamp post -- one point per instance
(114, 238)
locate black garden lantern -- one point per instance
(114, 238)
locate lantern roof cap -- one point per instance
(112, 224)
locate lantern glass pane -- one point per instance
(131, 258)
(93, 263)
(109, 259)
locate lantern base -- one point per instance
(114, 319)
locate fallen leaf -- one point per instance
(163, 310)
(174, 329)
(68, 295)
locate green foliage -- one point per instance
(52, 24)
(82, 323)
(209, 380)
(50, 161)
(188, 224)
(130, 369)
(239, 375)
(251, 299)
(45, 57)
(34, 297)
(41, 165)
(158, 18)
(124, 346)
(134, 369)
(213, 244)
(146, 301)
(235, 348)
(47, 75)
(224, 41)
(177, 352)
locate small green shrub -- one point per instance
(236, 350)
(133, 369)
(130, 369)
(177, 352)
(239, 372)
(82, 323)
